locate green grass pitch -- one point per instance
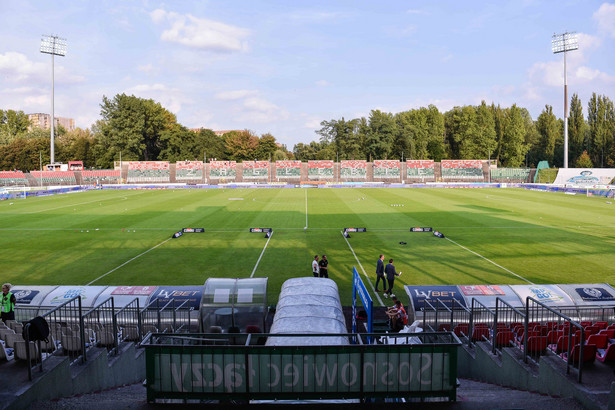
(121, 237)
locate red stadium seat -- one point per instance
(601, 341)
(607, 355)
(504, 338)
(562, 344)
(610, 333)
(536, 344)
(589, 353)
(553, 335)
(480, 333)
(462, 329)
(586, 323)
(444, 327)
(591, 330)
(601, 325)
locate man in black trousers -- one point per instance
(380, 273)
(389, 270)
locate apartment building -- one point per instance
(40, 120)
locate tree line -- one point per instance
(142, 130)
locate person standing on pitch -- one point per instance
(315, 269)
(380, 273)
(389, 270)
(323, 265)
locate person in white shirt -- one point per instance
(315, 268)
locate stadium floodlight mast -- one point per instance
(56, 46)
(562, 43)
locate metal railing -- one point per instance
(63, 317)
(572, 338)
(482, 321)
(100, 327)
(166, 317)
(505, 317)
(128, 319)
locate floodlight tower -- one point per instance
(55, 46)
(561, 43)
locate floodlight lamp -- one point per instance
(564, 42)
(53, 45)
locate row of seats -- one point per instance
(510, 174)
(462, 173)
(149, 175)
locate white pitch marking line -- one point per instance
(127, 262)
(361, 266)
(490, 261)
(306, 211)
(262, 253)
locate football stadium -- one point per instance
(497, 275)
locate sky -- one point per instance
(284, 66)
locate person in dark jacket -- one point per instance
(389, 270)
(324, 267)
(380, 273)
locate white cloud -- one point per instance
(446, 58)
(170, 98)
(146, 68)
(17, 67)
(415, 11)
(590, 74)
(322, 83)
(260, 110)
(235, 94)
(605, 16)
(200, 33)
(312, 123)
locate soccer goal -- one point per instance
(18, 191)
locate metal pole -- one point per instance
(52, 111)
(565, 111)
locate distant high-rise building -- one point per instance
(39, 120)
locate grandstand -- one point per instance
(189, 171)
(255, 169)
(320, 170)
(100, 177)
(510, 174)
(12, 178)
(462, 170)
(222, 169)
(352, 169)
(387, 169)
(288, 169)
(148, 171)
(422, 170)
(54, 177)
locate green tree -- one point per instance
(577, 128)
(485, 142)
(436, 134)
(462, 132)
(77, 145)
(241, 145)
(380, 135)
(24, 154)
(513, 147)
(546, 125)
(209, 144)
(178, 143)
(598, 127)
(267, 146)
(584, 161)
(132, 126)
(12, 124)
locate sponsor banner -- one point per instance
(547, 294)
(475, 290)
(123, 295)
(353, 169)
(590, 293)
(193, 230)
(421, 229)
(487, 294)
(398, 369)
(584, 176)
(261, 230)
(387, 169)
(366, 301)
(446, 293)
(461, 163)
(65, 293)
(222, 169)
(355, 229)
(179, 293)
(31, 295)
(131, 290)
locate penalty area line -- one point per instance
(127, 262)
(490, 261)
(364, 273)
(262, 253)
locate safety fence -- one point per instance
(240, 367)
(577, 334)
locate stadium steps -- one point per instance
(60, 378)
(172, 173)
(31, 180)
